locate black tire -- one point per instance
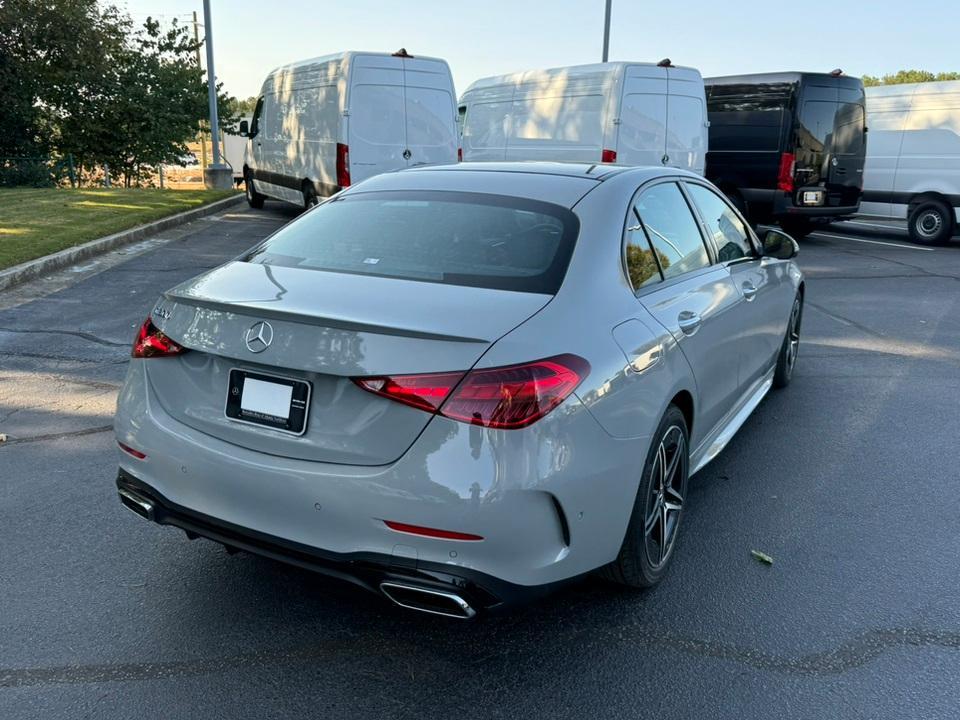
(787, 359)
(797, 228)
(930, 223)
(310, 198)
(254, 199)
(644, 558)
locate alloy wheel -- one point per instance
(793, 341)
(666, 496)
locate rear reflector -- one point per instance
(343, 165)
(785, 175)
(130, 451)
(459, 154)
(430, 532)
(507, 398)
(152, 343)
(608, 156)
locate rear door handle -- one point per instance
(749, 291)
(689, 322)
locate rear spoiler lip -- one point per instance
(256, 310)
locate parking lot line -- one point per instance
(872, 242)
(874, 225)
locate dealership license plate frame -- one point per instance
(296, 421)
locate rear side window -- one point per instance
(454, 238)
(671, 231)
(728, 232)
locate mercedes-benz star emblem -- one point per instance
(259, 336)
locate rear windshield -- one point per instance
(473, 239)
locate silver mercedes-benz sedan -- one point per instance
(461, 386)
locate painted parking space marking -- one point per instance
(872, 242)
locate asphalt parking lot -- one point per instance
(849, 479)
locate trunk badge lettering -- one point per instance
(259, 336)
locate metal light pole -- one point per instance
(218, 175)
(606, 32)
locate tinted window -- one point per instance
(445, 237)
(255, 122)
(729, 233)
(672, 230)
(848, 133)
(816, 124)
(746, 117)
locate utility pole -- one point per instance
(606, 32)
(217, 176)
(203, 135)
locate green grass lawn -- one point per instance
(36, 222)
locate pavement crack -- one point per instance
(11, 440)
(74, 333)
(845, 320)
(848, 655)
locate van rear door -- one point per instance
(377, 129)
(830, 143)
(431, 130)
(642, 130)
(686, 137)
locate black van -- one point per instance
(788, 146)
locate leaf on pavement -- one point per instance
(762, 557)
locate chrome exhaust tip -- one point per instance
(136, 503)
(435, 602)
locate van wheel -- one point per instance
(930, 223)
(797, 228)
(254, 199)
(310, 198)
(648, 546)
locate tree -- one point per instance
(909, 76)
(77, 77)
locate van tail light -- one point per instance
(343, 165)
(608, 156)
(785, 175)
(459, 154)
(152, 343)
(506, 398)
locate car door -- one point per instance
(761, 282)
(688, 293)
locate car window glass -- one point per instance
(672, 230)
(642, 266)
(728, 231)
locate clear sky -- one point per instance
(491, 37)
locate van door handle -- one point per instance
(689, 322)
(749, 291)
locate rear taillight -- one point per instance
(131, 451)
(507, 398)
(785, 175)
(343, 165)
(608, 156)
(152, 343)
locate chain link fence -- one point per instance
(37, 172)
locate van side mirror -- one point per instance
(244, 128)
(777, 244)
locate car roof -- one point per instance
(558, 183)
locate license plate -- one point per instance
(269, 400)
(813, 197)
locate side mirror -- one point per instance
(244, 128)
(777, 244)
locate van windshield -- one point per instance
(455, 238)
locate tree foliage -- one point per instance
(909, 76)
(77, 77)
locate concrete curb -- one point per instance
(33, 269)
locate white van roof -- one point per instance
(926, 88)
(594, 72)
(335, 62)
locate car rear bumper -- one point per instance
(480, 592)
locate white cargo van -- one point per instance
(323, 124)
(912, 167)
(623, 112)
